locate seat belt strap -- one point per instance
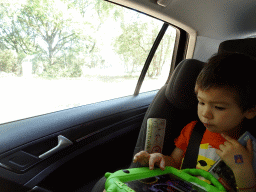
(190, 159)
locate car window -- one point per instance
(58, 54)
(159, 68)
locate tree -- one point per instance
(47, 29)
(135, 42)
(8, 61)
(51, 22)
(14, 35)
(131, 45)
(163, 53)
(62, 35)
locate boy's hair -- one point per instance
(232, 71)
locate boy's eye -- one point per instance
(219, 108)
(200, 103)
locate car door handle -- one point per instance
(63, 142)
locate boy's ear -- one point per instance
(250, 113)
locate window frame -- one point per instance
(179, 53)
(150, 57)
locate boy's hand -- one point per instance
(236, 156)
(144, 158)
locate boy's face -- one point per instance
(218, 110)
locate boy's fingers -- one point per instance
(140, 156)
(228, 138)
(218, 152)
(156, 159)
(249, 146)
(145, 158)
(151, 162)
(162, 164)
(135, 158)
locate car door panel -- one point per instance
(97, 127)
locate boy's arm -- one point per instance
(239, 159)
(245, 179)
(175, 159)
(159, 159)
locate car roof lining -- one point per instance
(232, 19)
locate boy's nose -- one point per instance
(207, 113)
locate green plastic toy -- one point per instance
(116, 181)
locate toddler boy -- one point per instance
(226, 93)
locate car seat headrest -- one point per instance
(245, 46)
(180, 88)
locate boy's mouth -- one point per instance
(207, 125)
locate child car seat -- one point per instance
(176, 103)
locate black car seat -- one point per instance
(245, 46)
(176, 101)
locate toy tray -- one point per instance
(171, 179)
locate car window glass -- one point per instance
(160, 65)
(58, 54)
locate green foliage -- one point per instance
(62, 36)
(8, 61)
(163, 54)
(131, 45)
(58, 71)
(135, 43)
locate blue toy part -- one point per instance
(116, 181)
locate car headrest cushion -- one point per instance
(180, 88)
